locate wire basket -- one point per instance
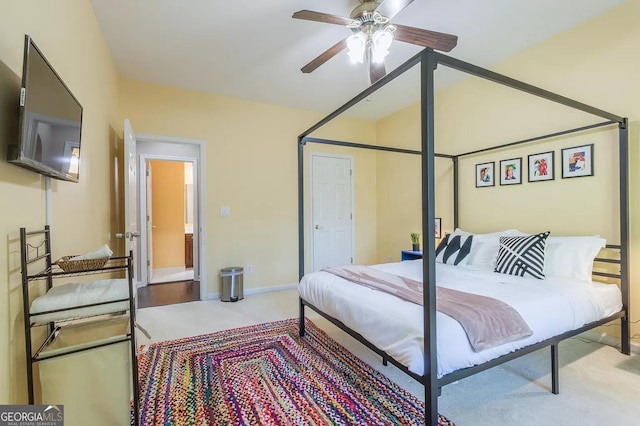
(68, 265)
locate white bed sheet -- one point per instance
(550, 307)
(68, 296)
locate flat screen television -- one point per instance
(50, 120)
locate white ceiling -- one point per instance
(254, 49)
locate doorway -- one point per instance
(154, 154)
(169, 220)
(331, 210)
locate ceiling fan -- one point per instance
(373, 34)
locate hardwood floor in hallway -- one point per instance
(168, 293)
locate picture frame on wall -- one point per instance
(577, 161)
(511, 171)
(541, 167)
(438, 227)
(485, 174)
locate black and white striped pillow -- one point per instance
(453, 249)
(522, 256)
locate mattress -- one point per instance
(73, 296)
(550, 307)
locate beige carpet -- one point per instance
(598, 385)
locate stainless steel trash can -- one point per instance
(231, 283)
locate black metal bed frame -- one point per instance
(429, 60)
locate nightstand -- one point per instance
(410, 255)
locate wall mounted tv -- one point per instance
(50, 120)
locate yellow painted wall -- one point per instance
(69, 36)
(251, 167)
(399, 192)
(592, 63)
(167, 181)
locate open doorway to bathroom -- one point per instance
(169, 217)
(187, 209)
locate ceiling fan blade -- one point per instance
(325, 56)
(425, 38)
(310, 15)
(391, 8)
(376, 71)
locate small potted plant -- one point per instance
(415, 241)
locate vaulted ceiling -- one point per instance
(254, 49)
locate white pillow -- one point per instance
(572, 257)
(506, 232)
(484, 251)
(484, 248)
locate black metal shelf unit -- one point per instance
(31, 260)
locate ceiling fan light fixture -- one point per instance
(356, 45)
(367, 19)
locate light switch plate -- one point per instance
(225, 211)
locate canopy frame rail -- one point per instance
(538, 138)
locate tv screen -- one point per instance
(50, 120)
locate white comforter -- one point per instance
(550, 307)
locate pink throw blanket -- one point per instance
(488, 322)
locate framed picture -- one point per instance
(511, 171)
(484, 174)
(541, 167)
(438, 227)
(577, 161)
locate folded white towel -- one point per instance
(100, 253)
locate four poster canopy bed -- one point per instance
(494, 302)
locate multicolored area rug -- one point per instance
(267, 375)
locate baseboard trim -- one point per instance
(605, 339)
(251, 291)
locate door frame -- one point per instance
(313, 154)
(146, 274)
(199, 191)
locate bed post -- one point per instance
(555, 384)
(301, 329)
(455, 191)
(301, 144)
(428, 64)
(625, 334)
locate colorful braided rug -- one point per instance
(268, 375)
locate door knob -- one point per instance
(129, 235)
(317, 226)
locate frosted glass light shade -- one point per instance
(356, 45)
(381, 41)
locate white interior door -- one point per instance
(131, 232)
(149, 223)
(332, 211)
